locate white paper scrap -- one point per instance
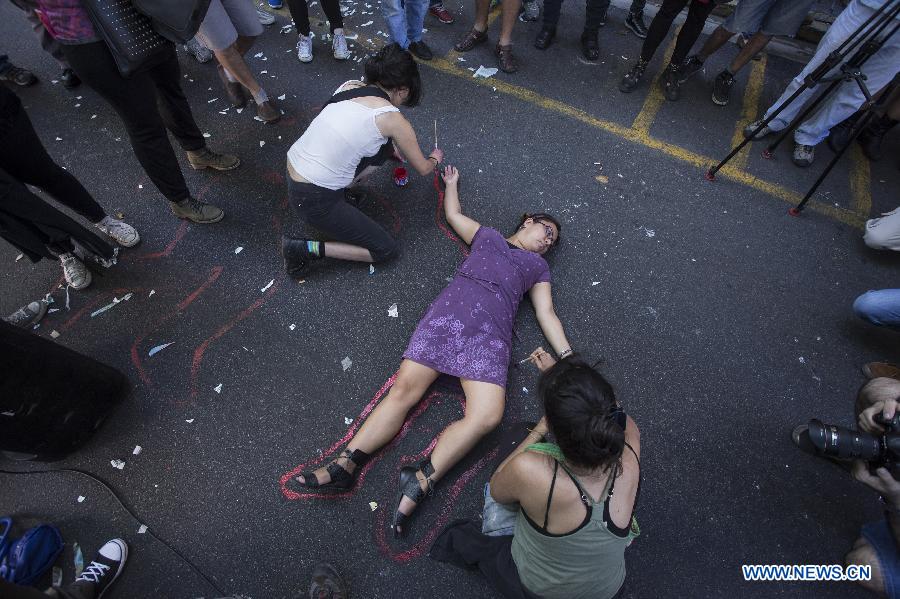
(211, 101)
(207, 135)
(261, 143)
(117, 464)
(159, 348)
(392, 311)
(485, 72)
(595, 283)
(266, 288)
(81, 498)
(373, 506)
(54, 333)
(346, 363)
(348, 420)
(19, 257)
(152, 291)
(189, 420)
(218, 388)
(367, 23)
(371, 269)
(142, 529)
(292, 327)
(111, 304)
(137, 450)
(239, 249)
(282, 96)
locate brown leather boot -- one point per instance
(268, 112)
(505, 59)
(874, 370)
(472, 39)
(234, 90)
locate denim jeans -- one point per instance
(879, 70)
(883, 233)
(880, 307)
(497, 519)
(405, 19)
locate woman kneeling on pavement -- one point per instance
(356, 132)
(559, 515)
(466, 333)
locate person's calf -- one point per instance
(863, 554)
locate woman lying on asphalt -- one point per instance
(466, 333)
(355, 132)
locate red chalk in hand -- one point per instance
(401, 177)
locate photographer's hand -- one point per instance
(882, 482)
(887, 409)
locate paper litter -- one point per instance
(218, 388)
(292, 327)
(117, 464)
(238, 249)
(373, 506)
(110, 305)
(269, 284)
(346, 363)
(142, 529)
(54, 333)
(485, 72)
(137, 450)
(348, 421)
(159, 348)
(81, 498)
(392, 311)
(189, 420)
(371, 269)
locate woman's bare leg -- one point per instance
(383, 424)
(484, 411)
(345, 251)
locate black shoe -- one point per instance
(632, 77)
(545, 38)
(722, 88)
(839, 136)
(410, 488)
(341, 478)
(19, 76)
(635, 22)
(105, 568)
(327, 583)
(671, 86)
(69, 79)
(421, 51)
(296, 256)
(691, 66)
(602, 20)
(871, 137)
(590, 49)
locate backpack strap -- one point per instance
(358, 92)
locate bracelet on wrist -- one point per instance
(565, 353)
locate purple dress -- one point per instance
(467, 330)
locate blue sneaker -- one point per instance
(276, 4)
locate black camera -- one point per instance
(846, 444)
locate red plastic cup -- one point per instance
(401, 177)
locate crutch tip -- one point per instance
(794, 211)
(710, 175)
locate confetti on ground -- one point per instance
(207, 135)
(485, 72)
(282, 96)
(371, 269)
(189, 421)
(802, 360)
(525, 390)
(137, 450)
(348, 421)
(595, 283)
(152, 291)
(266, 288)
(258, 55)
(460, 59)
(159, 348)
(647, 232)
(373, 506)
(54, 333)
(142, 529)
(601, 179)
(111, 304)
(239, 249)
(81, 498)
(346, 363)
(93, 116)
(117, 464)
(211, 101)
(261, 143)
(392, 311)
(239, 110)
(367, 23)
(140, 187)
(19, 257)
(218, 388)
(292, 327)
(59, 139)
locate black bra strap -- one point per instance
(550, 496)
(358, 92)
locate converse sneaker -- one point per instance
(27, 316)
(764, 132)
(296, 256)
(722, 88)
(339, 47)
(635, 22)
(198, 50)
(803, 155)
(124, 234)
(76, 273)
(304, 48)
(632, 77)
(531, 10)
(105, 568)
(197, 211)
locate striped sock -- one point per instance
(315, 248)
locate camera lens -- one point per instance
(843, 443)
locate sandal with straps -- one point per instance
(411, 489)
(341, 479)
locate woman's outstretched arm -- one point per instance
(395, 125)
(464, 226)
(542, 300)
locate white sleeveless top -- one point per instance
(333, 145)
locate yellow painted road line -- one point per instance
(698, 160)
(860, 181)
(750, 109)
(655, 98)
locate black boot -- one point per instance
(545, 38)
(871, 137)
(296, 256)
(590, 49)
(840, 134)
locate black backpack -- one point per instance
(176, 20)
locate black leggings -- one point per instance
(593, 14)
(327, 211)
(148, 102)
(690, 31)
(300, 14)
(24, 157)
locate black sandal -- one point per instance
(410, 488)
(341, 479)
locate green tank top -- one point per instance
(588, 563)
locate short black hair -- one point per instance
(542, 217)
(392, 67)
(582, 411)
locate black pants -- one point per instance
(327, 211)
(148, 102)
(24, 157)
(690, 31)
(593, 14)
(300, 14)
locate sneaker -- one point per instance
(764, 132)
(545, 37)
(531, 11)
(590, 48)
(670, 84)
(872, 370)
(105, 568)
(304, 48)
(420, 50)
(803, 155)
(268, 112)
(76, 273)
(206, 158)
(69, 78)
(27, 316)
(18, 75)
(198, 50)
(327, 583)
(264, 16)
(124, 234)
(296, 256)
(632, 77)
(339, 47)
(635, 22)
(442, 14)
(691, 67)
(197, 211)
(722, 88)
(276, 4)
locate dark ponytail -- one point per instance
(582, 413)
(392, 67)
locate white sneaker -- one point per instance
(124, 234)
(265, 17)
(339, 47)
(76, 273)
(304, 48)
